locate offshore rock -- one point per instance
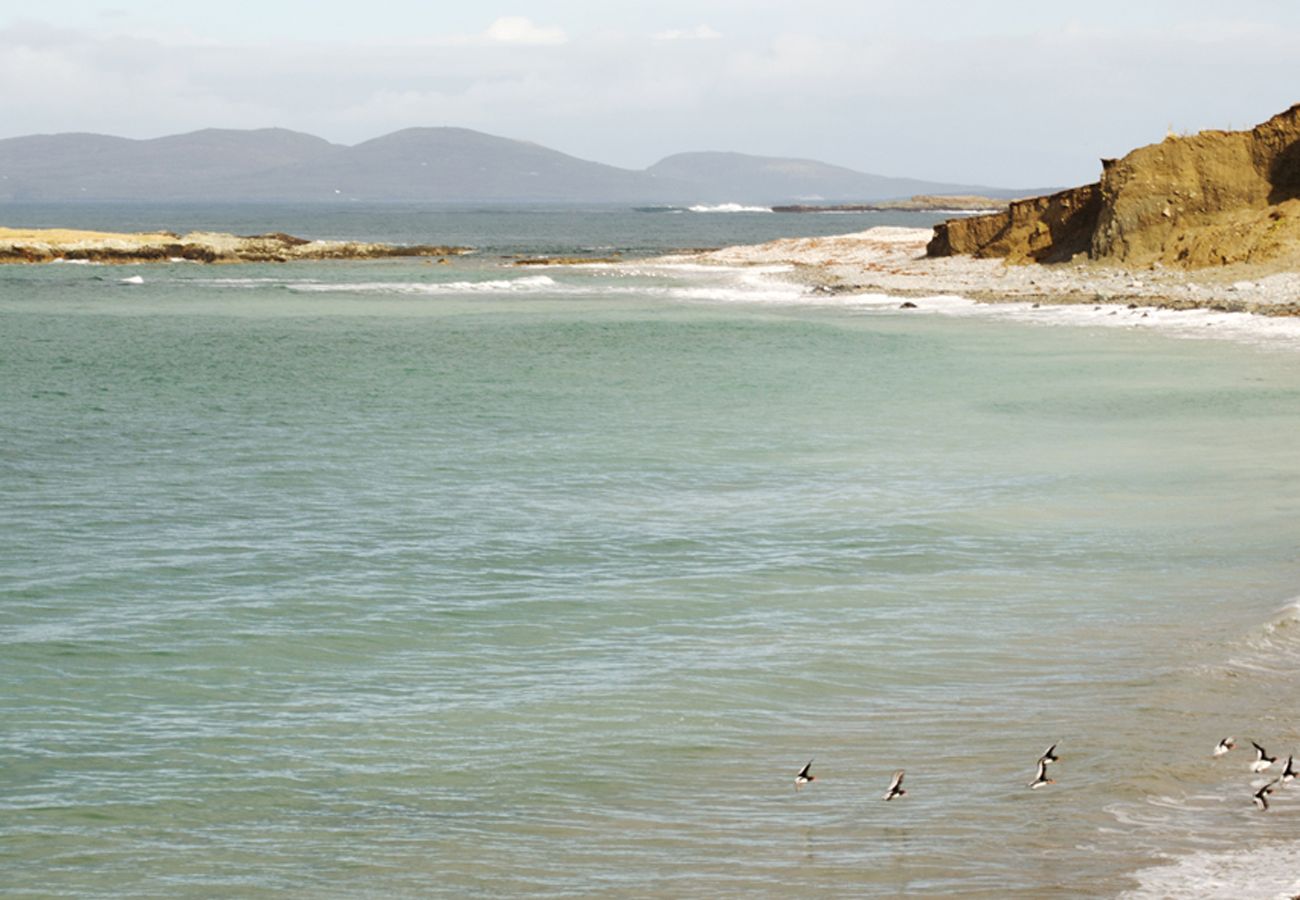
(48, 245)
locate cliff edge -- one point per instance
(1211, 199)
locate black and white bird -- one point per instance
(1049, 755)
(1262, 759)
(1041, 778)
(895, 787)
(804, 776)
(1224, 746)
(1261, 795)
(1288, 774)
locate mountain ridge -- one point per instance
(417, 164)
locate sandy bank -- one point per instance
(893, 261)
(50, 244)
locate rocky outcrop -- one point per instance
(1040, 229)
(1211, 199)
(1215, 198)
(48, 245)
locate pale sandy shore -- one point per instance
(892, 261)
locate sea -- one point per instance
(398, 579)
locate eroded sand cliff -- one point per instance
(1211, 199)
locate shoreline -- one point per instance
(36, 246)
(892, 261)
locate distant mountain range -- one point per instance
(431, 165)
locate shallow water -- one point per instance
(391, 578)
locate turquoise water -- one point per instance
(383, 578)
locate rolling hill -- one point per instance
(426, 165)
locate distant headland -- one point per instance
(965, 203)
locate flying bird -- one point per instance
(804, 776)
(1041, 778)
(1262, 759)
(1288, 774)
(895, 787)
(1261, 795)
(1224, 746)
(1049, 755)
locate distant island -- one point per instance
(415, 165)
(920, 203)
(57, 244)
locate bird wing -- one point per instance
(803, 773)
(896, 781)
(1262, 752)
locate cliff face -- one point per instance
(1040, 229)
(1215, 198)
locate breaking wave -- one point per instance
(1265, 872)
(729, 208)
(1273, 648)
(532, 284)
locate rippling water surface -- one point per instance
(384, 578)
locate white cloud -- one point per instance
(698, 33)
(520, 30)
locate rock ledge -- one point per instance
(49, 245)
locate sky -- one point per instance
(1009, 93)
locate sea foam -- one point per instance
(528, 284)
(1197, 324)
(1263, 872)
(1275, 646)
(729, 208)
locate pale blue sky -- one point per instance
(1012, 93)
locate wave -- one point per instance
(729, 208)
(1196, 324)
(739, 285)
(528, 285)
(247, 282)
(1268, 871)
(705, 208)
(1274, 647)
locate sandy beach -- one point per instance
(892, 261)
